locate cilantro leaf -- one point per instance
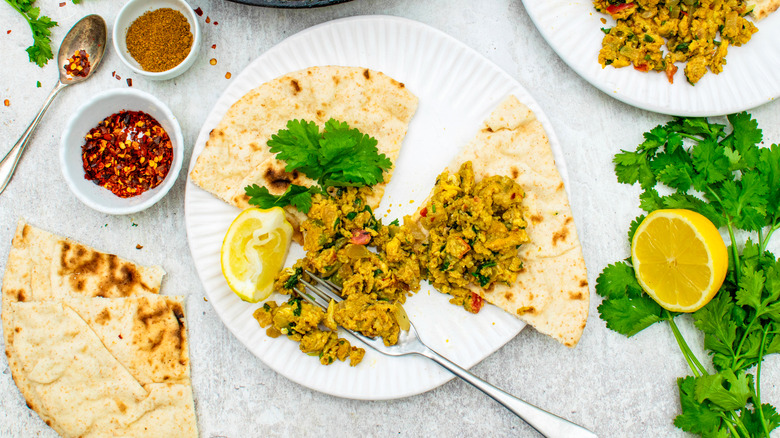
(617, 281)
(696, 417)
(295, 195)
(629, 316)
(726, 390)
(298, 145)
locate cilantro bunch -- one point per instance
(40, 51)
(724, 175)
(339, 156)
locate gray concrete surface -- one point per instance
(616, 386)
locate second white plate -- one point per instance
(751, 77)
(457, 89)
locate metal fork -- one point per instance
(547, 424)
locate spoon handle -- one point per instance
(11, 159)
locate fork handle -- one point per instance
(549, 425)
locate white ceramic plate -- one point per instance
(457, 89)
(751, 77)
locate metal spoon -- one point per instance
(89, 34)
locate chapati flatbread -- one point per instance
(762, 8)
(236, 153)
(144, 333)
(551, 292)
(83, 389)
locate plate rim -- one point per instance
(199, 146)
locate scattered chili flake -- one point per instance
(139, 246)
(199, 11)
(128, 153)
(208, 20)
(113, 73)
(213, 46)
(213, 61)
(118, 77)
(215, 23)
(62, 4)
(7, 102)
(227, 75)
(129, 82)
(8, 32)
(78, 64)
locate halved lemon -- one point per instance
(254, 250)
(679, 259)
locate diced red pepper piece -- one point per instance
(614, 9)
(671, 69)
(360, 237)
(476, 302)
(424, 212)
(642, 67)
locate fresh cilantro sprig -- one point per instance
(722, 173)
(339, 156)
(40, 51)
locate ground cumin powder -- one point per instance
(160, 39)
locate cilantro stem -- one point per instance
(693, 362)
(747, 331)
(772, 229)
(758, 406)
(730, 424)
(730, 227)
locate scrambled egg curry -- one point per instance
(469, 233)
(688, 28)
(474, 232)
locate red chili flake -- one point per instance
(199, 11)
(128, 153)
(139, 246)
(7, 102)
(113, 73)
(78, 64)
(213, 61)
(8, 31)
(118, 78)
(129, 82)
(215, 23)
(227, 75)
(120, 336)
(62, 5)
(208, 19)
(213, 46)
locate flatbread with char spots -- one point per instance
(237, 155)
(70, 285)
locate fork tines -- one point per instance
(321, 294)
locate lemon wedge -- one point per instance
(254, 250)
(679, 259)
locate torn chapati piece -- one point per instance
(551, 288)
(92, 346)
(237, 155)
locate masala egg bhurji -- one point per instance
(695, 32)
(497, 226)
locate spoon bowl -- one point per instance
(89, 35)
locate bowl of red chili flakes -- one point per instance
(121, 151)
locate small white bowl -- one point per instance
(89, 116)
(134, 9)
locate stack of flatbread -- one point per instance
(237, 155)
(551, 292)
(92, 346)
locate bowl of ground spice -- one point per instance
(121, 151)
(158, 39)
